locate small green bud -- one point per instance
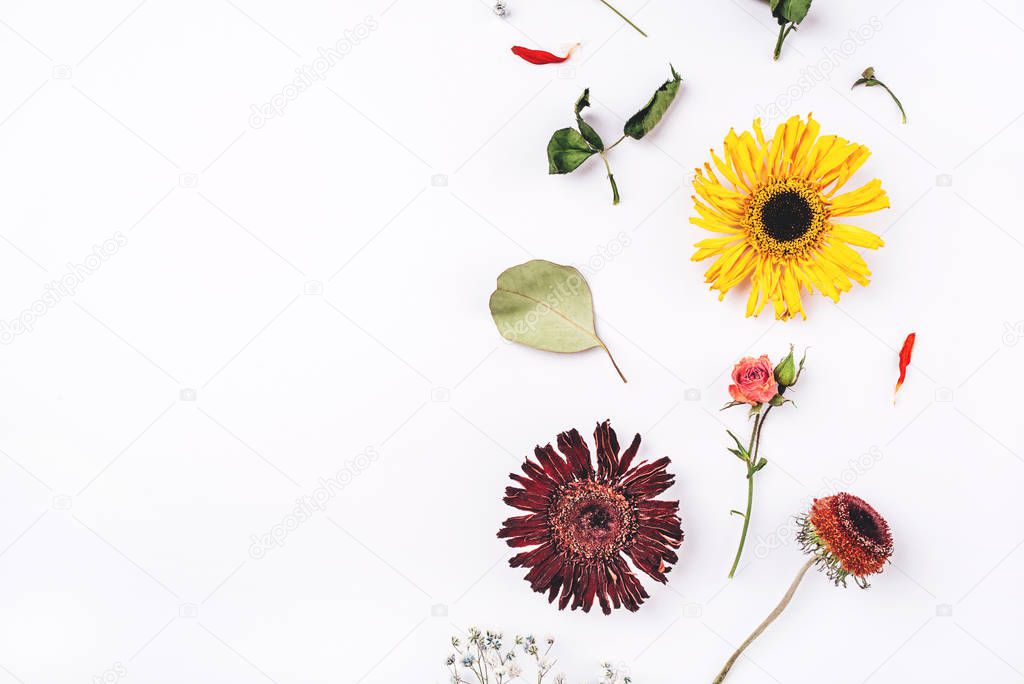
(786, 372)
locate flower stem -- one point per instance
(752, 451)
(784, 30)
(767, 621)
(615, 188)
(612, 146)
(746, 522)
(624, 17)
(899, 104)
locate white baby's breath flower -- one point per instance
(483, 653)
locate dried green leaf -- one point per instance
(546, 306)
(641, 123)
(790, 11)
(589, 134)
(567, 149)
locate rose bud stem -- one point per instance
(753, 465)
(767, 621)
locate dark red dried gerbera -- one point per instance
(582, 522)
(848, 536)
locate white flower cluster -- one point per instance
(483, 658)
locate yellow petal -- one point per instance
(791, 293)
(864, 200)
(853, 235)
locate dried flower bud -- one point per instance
(785, 371)
(788, 371)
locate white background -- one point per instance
(195, 384)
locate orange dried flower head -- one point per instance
(848, 537)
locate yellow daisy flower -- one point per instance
(775, 208)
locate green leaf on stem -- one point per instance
(868, 79)
(789, 11)
(740, 450)
(589, 134)
(641, 123)
(567, 149)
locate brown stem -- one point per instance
(767, 621)
(612, 358)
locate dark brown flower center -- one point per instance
(865, 523)
(786, 216)
(591, 520)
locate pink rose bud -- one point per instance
(754, 381)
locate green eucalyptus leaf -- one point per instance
(589, 134)
(546, 306)
(567, 149)
(641, 123)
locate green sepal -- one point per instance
(740, 451)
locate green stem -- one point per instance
(784, 30)
(746, 521)
(612, 146)
(624, 17)
(895, 99)
(767, 621)
(615, 192)
(752, 451)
